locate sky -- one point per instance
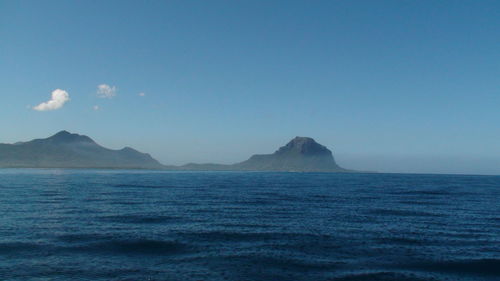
(390, 86)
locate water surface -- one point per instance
(143, 225)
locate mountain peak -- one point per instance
(67, 137)
(304, 146)
(62, 133)
(302, 141)
(301, 154)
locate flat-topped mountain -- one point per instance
(66, 150)
(301, 154)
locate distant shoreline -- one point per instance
(69, 150)
(241, 171)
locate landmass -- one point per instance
(67, 150)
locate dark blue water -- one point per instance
(135, 225)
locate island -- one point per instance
(68, 150)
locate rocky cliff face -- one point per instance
(301, 154)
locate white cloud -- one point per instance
(142, 94)
(96, 107)
(106, 91)
(58, 99)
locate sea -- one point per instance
(63, 224)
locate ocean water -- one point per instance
(143, 225)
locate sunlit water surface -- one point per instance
(140, 225)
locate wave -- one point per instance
(233, 236)
(429, 203)
(140, 219)
(382, 276)
(84, 237)
(481, 267)
(123, 246)
(423, 192)
(226, 236)
(402, 213)
(245, 225)
(401, 241)
(447, 192)
(142, 186)
(19, 247)
(137, 246)
(252, 264)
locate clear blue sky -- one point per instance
(388, 85)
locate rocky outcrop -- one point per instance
(302, 154)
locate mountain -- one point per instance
(301, 154)
(66, 150)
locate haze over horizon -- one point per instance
(389, 86)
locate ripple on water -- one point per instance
(103, 226)
(478, 267)
(140, 219)
(402, 213)
(383, 276)
(133, 247)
